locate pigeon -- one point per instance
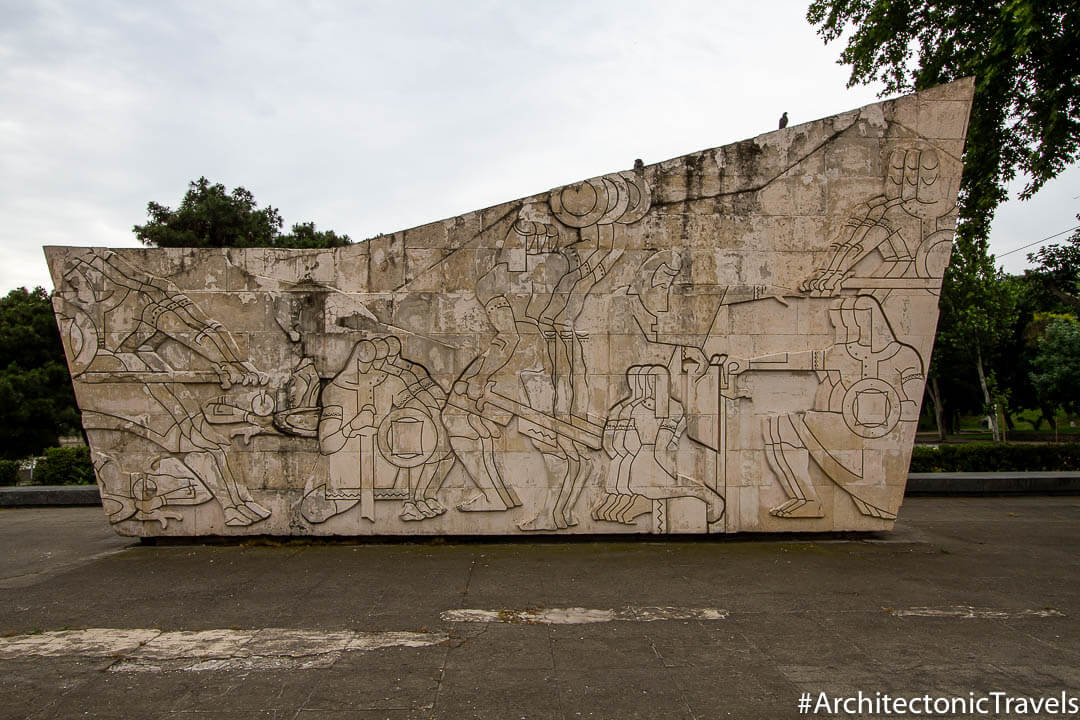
(783, 121)
(639, 166)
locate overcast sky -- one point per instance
(369, 117)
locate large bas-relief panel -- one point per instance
(733, 340)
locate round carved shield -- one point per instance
(871, 408)
(407, 437)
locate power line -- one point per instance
(1037, 242)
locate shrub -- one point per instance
(989, 457)
(9, 472)
(65, 466)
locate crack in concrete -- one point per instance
(468, 578)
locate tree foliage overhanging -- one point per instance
(1025, 57)
(211, 217)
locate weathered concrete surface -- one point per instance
(734, 340)
(965, 595)
(41, 541)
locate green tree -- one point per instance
(37, 403)
(1058, 270)
(1049, 290)
(304, 235)
(1014, 372)
(978, 313)
(209, 216)
(65, 466)
(1056, 364)
(952, 389)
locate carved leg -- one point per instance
(423, 504)
(473, 454)
(317, 508)
(790, 462)
(506, 493)
(578, 469)
(545, 518)
(585, 469)
(428, 491)
(631, 507)
(236, 502)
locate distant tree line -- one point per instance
(1009, 343)
(37, 403)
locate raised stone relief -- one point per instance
(733, 340)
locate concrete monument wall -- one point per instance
(732, 340)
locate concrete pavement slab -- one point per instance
(33, 546)
(968, 595)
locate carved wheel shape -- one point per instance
(871, 408)
(407, 437)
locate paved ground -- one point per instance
(966, 596)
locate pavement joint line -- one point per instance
(282, 646)
(968, 612)
(1040, 641)
(442, 673)
(468, 578)
(149, 649)
(556, 666)
(583, 616)
(580, 615)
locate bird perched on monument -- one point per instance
(639, 166)
(783, 121)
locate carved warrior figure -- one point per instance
(870, 384)
(382, 415)
(115, 318)
(642, 437)
(909, 225)
(653, 454)
(534, 368)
